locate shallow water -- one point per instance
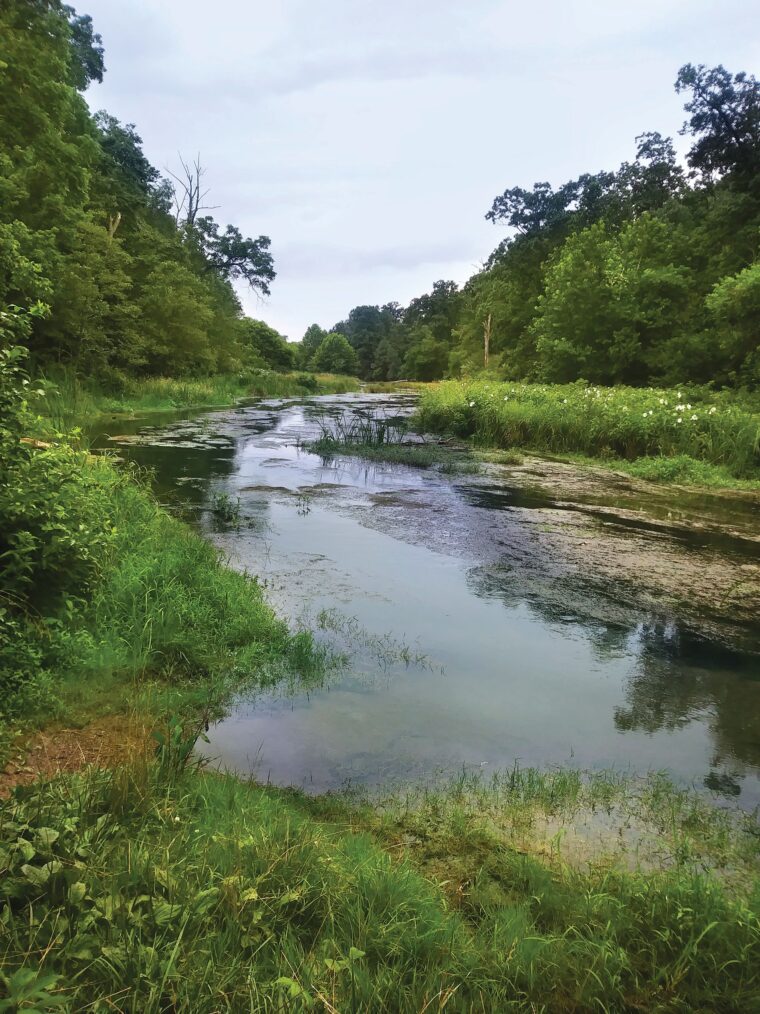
(470, 643)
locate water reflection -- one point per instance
(543, 662)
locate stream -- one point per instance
(476, 628)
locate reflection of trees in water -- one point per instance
(678, 677)
(558, 601)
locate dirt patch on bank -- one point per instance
(104, 742)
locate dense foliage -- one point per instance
(648, 274)
(138, 282)
(97, 583)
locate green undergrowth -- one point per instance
(162, 606)
(71, 400)
(693, 436)
(154, 888)
(683, 470)
(679, 469)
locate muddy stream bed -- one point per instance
(538, 614)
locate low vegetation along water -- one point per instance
(470, 622)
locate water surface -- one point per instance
(471, 644)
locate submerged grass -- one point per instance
(157, 888)
(697, 428)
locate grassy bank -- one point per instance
(667, 435)
(72, 399)
(118, 606)
(155, 888)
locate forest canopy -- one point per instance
(135, 276)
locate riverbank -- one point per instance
(692, 437)
(159, 885)
(68, 400)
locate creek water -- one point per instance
(466, 642)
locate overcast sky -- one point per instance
(368, 139)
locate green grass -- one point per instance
(683, 470)
(165, 611)
(608, 423)
(153, 888)
(73, 400)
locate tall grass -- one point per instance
(70, 399)
(151, 889)
(365, 428)
(165, 608)
(601, 422)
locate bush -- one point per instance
(54, 520)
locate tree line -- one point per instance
(647, 274)
(136, 277)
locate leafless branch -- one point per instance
(189, 196)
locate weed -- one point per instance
(363, 428)
(68, 399)
(164, 890)
(225, 510)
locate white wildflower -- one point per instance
(472, 404)
(693, 418)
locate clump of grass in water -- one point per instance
(384, 648)
(377, 438)
(225, 509)
(359, 428)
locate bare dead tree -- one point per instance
(189, 194)
(486, 340)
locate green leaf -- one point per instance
(77, 892)
(37, 875)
